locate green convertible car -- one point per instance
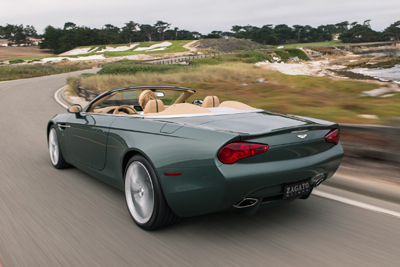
(175, 159)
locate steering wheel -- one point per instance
(125, 109)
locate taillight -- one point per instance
(233, 152)
(333, 136)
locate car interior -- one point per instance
(160, 102)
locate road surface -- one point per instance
(52, 217)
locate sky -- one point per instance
(203, 16)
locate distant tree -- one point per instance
(147, 31)
(236, 29)
(188, 35)
(393, 31)
(265, 35)
(176, 33)
(18, 35)
(353, 24)
(227, 34)
(367, 23)
(360, 33)
(111, 34)
(161, 26)
(342, 26)
(69, 25)
(52, 39)
(297, 30)
(130, 30)
(30, 31)
(248, 30)
(213, 35)
(284, 33)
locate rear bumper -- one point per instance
(204, 190)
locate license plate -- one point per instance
(297, 189)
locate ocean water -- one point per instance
(390, 74)
(383, 54)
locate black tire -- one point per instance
(56, 156)
(148, 214)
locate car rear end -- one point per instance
(279, 166)
(248, 161)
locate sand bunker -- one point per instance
(77, 51)
(117, 49)
(154, 47)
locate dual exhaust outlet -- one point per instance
(246, 203)
(250, 202)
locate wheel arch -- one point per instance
(128, 155)
(49, 124)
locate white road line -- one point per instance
(58, 99)
(356, 203)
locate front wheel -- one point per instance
(56, 155)
(144, 197)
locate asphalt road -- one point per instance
(52, 217)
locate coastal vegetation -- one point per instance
(320, 97)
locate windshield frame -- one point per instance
(186, 93)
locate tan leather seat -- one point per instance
(210, 102)
(145, 97)
(154, 106)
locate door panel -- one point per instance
(87, 139)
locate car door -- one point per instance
(87, 138)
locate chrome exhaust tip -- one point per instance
(246, 203)
(319, 182)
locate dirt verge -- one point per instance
(23, 52)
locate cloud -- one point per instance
(203, 16)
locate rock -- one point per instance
(294, 59)
(378, 92)
(368, 116)
(261, 80)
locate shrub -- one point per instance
(245, 57)
(282, 54)
(16, 61)
(133, 68)
(297, 53)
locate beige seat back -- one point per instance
(210, 102)
(154, 106)
(145, 97)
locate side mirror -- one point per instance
(75, 108)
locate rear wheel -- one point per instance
(144, 197)
(56, 155)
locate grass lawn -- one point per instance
(318, 97)
(330, 43)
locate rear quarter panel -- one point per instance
(190, 151)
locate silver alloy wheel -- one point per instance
(53, 147)
(139, 192)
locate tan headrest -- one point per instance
(154, 106)
(145, 97)
(210, 102)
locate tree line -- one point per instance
(70, 36)
(17, 34)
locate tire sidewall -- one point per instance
(59, 164)
(152, 223)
